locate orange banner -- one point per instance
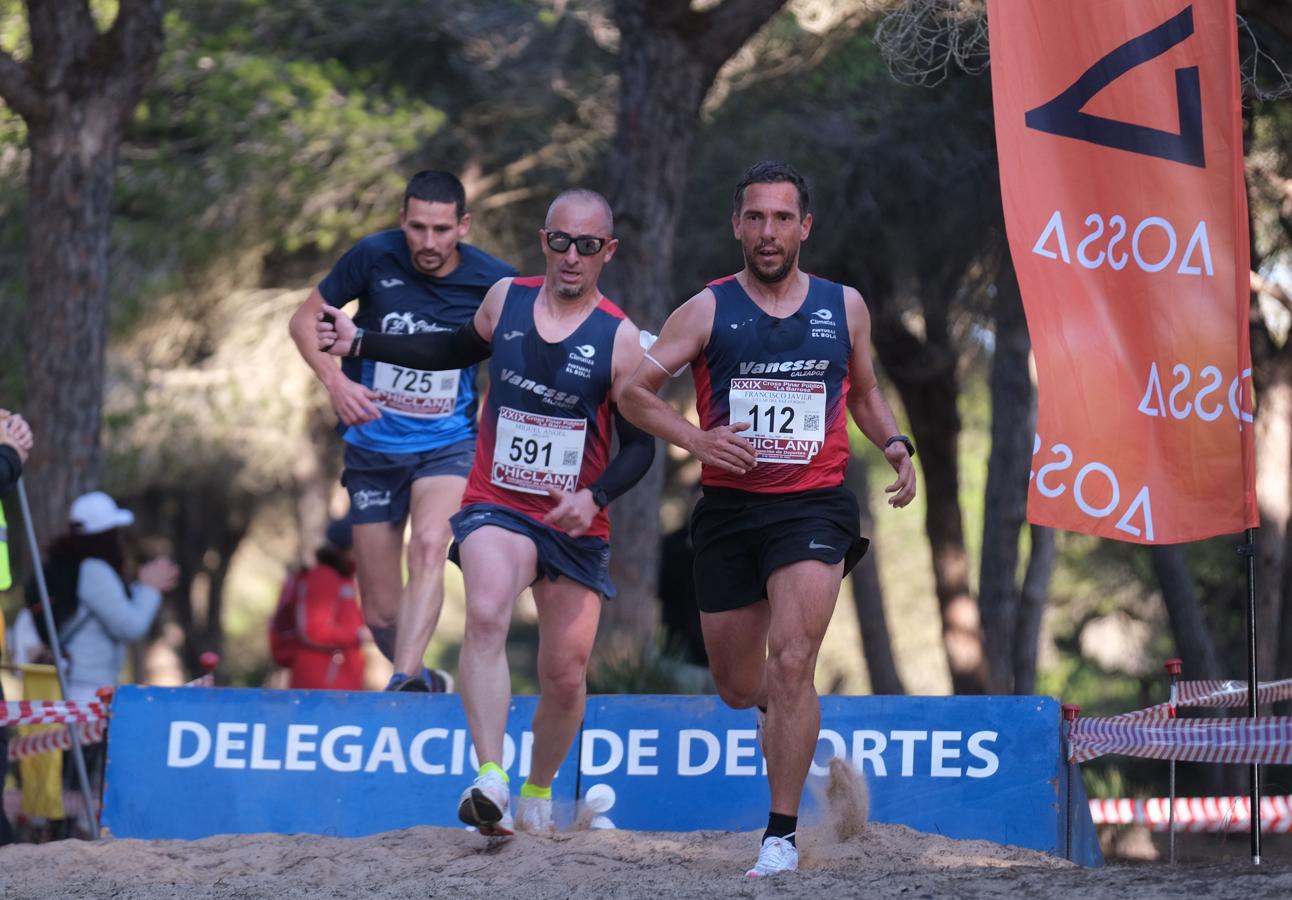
(1121, 165)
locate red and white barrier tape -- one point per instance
(54, 739)
(1230, 693)
(1195, 814)
(1264, 740)
(50, 712)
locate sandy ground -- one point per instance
(842, 855)
(882, 860)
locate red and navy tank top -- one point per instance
(788, 378)
(547, 418)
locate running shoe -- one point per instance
(484, 805)
(411, 684)
(534, 814)
(437, 681)
(777, 855)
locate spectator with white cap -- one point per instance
(95, 612)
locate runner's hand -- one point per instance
(354, 404)
(903, 489)
(336, 331)
(724, 448)
(573, 513)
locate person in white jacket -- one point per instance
(88, 562)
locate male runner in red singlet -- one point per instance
(777, 356)
(534, 512)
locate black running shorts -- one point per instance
(740, 538)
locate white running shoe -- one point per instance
(534, 814)
(777, 855)
(484, 805)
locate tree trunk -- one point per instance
(669, 56)
(1036, 589)
(1188, 624)
(1013, 424)
(925, 375)
(1273, 378)
(76, 94)
(868, 595)
(72, 161)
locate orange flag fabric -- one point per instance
(1119, 135)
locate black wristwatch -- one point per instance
(910, 445)
(600, 497)
(356, 343)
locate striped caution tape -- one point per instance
(49, 712)
(1230, 693)
(1195, 814)
(54, 739)
(1260, 740)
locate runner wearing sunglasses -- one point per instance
(534, 513)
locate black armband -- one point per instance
(636, 453)
(434, 350)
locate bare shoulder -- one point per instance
(491, 308)
(628, 339)
(855, 308)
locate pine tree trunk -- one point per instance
(868, 595)
(1193, 639)
(72, 161)
(1013, 424)
(669, 56)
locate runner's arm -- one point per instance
(636, 447)
(435, 350)
(866, 402)
(681, 341)
(354, 404)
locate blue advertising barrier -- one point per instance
(189, 762)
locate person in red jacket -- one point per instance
(329, 623)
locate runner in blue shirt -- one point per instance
(409, 434)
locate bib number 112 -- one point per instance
(770, 414)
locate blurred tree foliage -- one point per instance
(276, 133)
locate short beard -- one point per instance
(751, 263)
(568, 292)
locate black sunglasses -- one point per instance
(584, 244)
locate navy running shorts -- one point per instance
(585, 560)
(741, 538)
(381, 484)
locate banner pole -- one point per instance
(1249, 550)
(74, 730)
(1173, 668)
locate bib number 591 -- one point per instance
(529, 450)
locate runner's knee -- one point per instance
(488, 623)
(790, 665)
(735, 695)
(428, 549)
(564, 684)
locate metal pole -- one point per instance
(1070, 712)
(1249, 550)
(87, 796)
(1173, 666)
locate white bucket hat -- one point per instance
(96, 512)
